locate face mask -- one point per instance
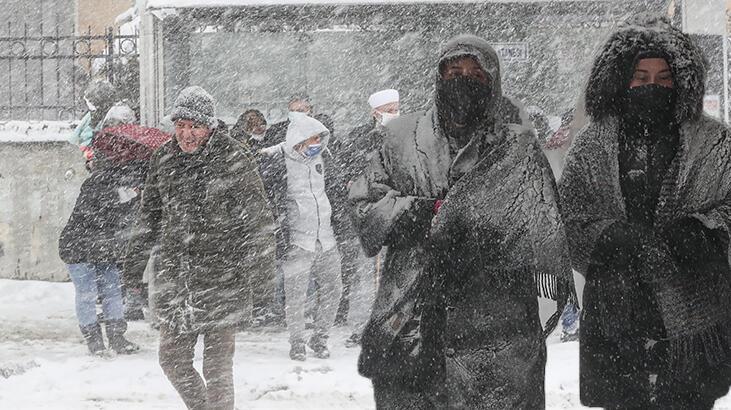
(649, 105)
(258, 137)
(464, 101)
(312, 150)
(293, 115)
(387, 117)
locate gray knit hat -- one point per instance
(195, 104)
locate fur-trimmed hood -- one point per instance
(613, 67)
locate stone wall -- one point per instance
(39, 183)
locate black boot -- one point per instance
(93, 337)
(115, 335)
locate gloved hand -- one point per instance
(619, 243)
(690, 242)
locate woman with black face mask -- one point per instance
(646, 195)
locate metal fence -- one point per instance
(43, 76)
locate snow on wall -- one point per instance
(158, 4)
(35, 131)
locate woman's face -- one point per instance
(652, 71)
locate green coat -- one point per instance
(208, 213)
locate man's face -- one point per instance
(390, 108)
(300, 106)
(191, 135)
(255, 125)
(465, 66)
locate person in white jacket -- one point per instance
(312, 247)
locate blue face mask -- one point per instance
(312, 150)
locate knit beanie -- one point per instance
(195, 104)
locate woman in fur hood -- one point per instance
(646, 199)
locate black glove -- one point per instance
(690, 242)
(619, 243)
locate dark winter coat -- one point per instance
(208, 213)
(349, 159)
(276, 133)
(498, 244)
(98, 228)
(393, 203)
(649, 293)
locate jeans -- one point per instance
(325, 268)
(90, 278)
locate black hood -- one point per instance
(470, 45)
(614, 66)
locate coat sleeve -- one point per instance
(252, 229)
(74, 244)
(587, 207)
(146, 230)
(383, 216)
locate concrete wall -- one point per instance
(39, 183)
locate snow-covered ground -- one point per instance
(44, 365)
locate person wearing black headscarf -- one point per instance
(646, 198)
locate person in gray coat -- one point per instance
(205, 207)
(423, 155)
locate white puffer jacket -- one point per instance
(308, 207)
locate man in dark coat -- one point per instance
(349, 160)
(204, 205)
(645, 195)
(423, 155)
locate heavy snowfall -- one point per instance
(365, 204)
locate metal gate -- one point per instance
(43, 76)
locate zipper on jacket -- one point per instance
(317, 204)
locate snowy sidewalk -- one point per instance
(41, 346)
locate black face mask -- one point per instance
(649, 105)
(464, 101)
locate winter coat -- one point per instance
(276, 133)
(348, 161)
(98, 228)
(497, 244)
(392, 206)
(84, 132)
(685, 307)
(308, 207)
(208, 213)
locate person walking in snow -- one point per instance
(92, 245)
(350, 157)
(645, 196)
(204, 205)
(423, 155)
(310, 246)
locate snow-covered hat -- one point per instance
(195, 104)
(120, 113)
(383, 97)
